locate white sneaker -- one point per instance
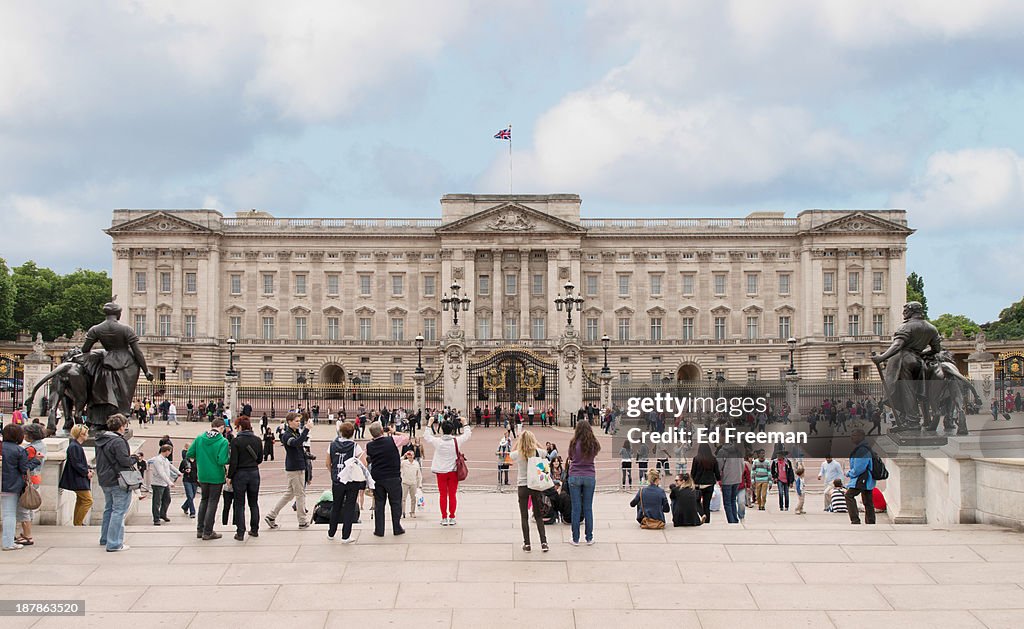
(15, 547)
(117, 550)
(451, 521)
(590, 542)
(350, 540)
(574, 543)
(444, 521)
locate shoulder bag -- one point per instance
(538, 474)
(646, 522)
(30, 498)
(461, 470)
(127, 480)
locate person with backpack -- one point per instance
(347, 464)
(525, 448)
(861, 478)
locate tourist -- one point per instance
(861, 481)
(386, 470)
(661, 456)
(113, 457)
(705, 474)
(583, 449)
(525, 448)
(730, 462)
(245, 453)
(685, 509)
(782, 474)
(36, 451)
(172, 413)
(838, 500)
(15, 468)
(504, 460)
(210, 452)
(651, 501)
(412, 482)
(268, 444)
(189, 482)
(642, 454)
(800, 491)
(626, 456)
(76, 475)
(163, 476)
(444, 464)
(347, 463)
(829, 471)
(294, 438)
(745, 493)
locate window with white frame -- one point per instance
(591, 285)
(365, 328)
(853, 324)
(190, 283)
(784, 283)
(829, 325)
(235, 326)
(165, 281)
(624, 328)
(753, 325)
(397, 285)
(397, 329)
(140, 324)
(190, 326)
(268, 328)
(236, 283)
(854, 281)
(268, 376)
(537, 328)
(591, 325)
(429, 329)
(878, 281)
(365, 284)
(687, 328)
(333, 328)
(752, 283)
(878, 324)
(688, 284)
(624, 377)
(656, 283)
(828, 282)
(333, 284)
(484, 285)
(511, 284)
(140, 282)
(300, 283)
(268, 283)
(429, 285)
(538, 284)
(164, 325)
(623, 284)
(751, 375)
(719, 328)
(511, 328)
(655, 328)
(396, 378)
(719, 279)
(301, 328)
(483, 328)
(785, 327)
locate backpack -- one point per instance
(878, 470)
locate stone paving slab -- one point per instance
(774, 570)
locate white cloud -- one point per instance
(973, 188)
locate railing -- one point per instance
(730, 341)
(693, 224)
(342, 224)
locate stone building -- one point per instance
(681, 298)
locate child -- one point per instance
(838, 504)
(799, 490)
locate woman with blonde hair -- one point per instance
(651, 502)
(77, 476)
(525, 448)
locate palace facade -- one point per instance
(680, 298)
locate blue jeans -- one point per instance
(114, 512)
(741, 502)
(190, 494)
(729, 502)
(783, 495)
(581, 490)
(10, 505)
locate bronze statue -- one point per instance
(952, 394)
(69, 390)
(114, 380)
(906, 368)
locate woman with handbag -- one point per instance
(534, 477)
(77, 476)
(15, 467)
(115, 468)
(448, 464)
(651, 503)
(36, 451)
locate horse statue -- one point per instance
(69, 391)
(948, 394)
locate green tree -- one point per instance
(83, 294)
(915, 291)
(7, 298)
(54, 304)
(946, 323)
(1010, 324)
(35, 287)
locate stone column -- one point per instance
(497, 295)
(981, 369)
(231, 394)
(905, 488)
(468, 282)
(570, 374)
(793, 396)
(524, 294)
(453, 353)
(36, 365)
(418, 391)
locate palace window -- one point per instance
(190, 326)
(430, 329)
(829, 325)
(624, 328)
(784, 283)
(688, 284)
(853, 325)
(365, 284)
(784, 327)
(655, 283)
(511, 328)
(397, 285)
(854, 281)
(268, 283)
(623, 284)
(429, 285)
(719, 328)
(164, 325)
(333, 285)
(397, 329)
(592, 329)
(687, 328)
(751, 283)
(655, 328)
(592, 285)
(190, 283)
(878, 324)
(752, 328)
(300, 284)
(538, 284)
(165, 281)
(140, 324)
(268, 328)
(484, 285)
(333, 328)
(365, 328)
(483, 328)
(828, 282)
(878, 281)
(537, 328)
(511, 284)
(140, 282)
(719, 283)
(300, 328)
(236, 283)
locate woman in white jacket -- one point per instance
(443, 465)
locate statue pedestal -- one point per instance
(917, 440)
(418, 392)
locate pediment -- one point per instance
(160, 222)
(858, 222)
(235, 310)
(511, 218)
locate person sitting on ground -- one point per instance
(838, 504)
(651, 501)
(685, 511)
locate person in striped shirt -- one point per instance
(838, 504)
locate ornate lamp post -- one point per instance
(569, 303)
(419, 353)
(231, 356)
(455, 302)
(792, 348)
(605, 342)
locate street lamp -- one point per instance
(231, 356)
(419, 353)
(455, 302)
(842, 363)
(792, 347)
(569, 302)
(605, 342)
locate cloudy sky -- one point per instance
(660, 108)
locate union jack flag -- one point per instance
(504, 134)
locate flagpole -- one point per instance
(510, 159)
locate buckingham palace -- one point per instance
(680, 299)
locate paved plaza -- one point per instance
(774, 570)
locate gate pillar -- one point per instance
(36, 365)
(453, 351)
(981, 370)
(570, 375)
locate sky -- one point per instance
(661, 108)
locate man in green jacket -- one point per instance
(210, 450)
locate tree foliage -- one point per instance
(915, 291)
(40, 300)
(1010, 324)
(946, 323)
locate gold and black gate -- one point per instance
(510, 375)
(11, 382)
(1009, 377)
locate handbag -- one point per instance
(461, 470)
(30, 498)
(129, 480)
(646, 522)
(538, 474)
